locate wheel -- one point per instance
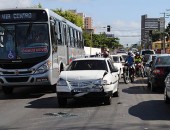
(107, 100)
(132, 78)
(116, 94)
(152, 88)
(148, 85)
(142, 73)
(166, 98)
(126, 77)
(62, 101)
(7, 90)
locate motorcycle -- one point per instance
(128, 73)
(139, 71)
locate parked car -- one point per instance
(88, 77)
(147, 66)
(117, 62)
(159, 70)
(167, 89)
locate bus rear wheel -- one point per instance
(7, 90)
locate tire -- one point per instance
(148, 85)
(125, 77)
(116, 94)
(132, 78)
(142, 73)
(107, 100)
(62, 101)
(7, 90)
(166, 98)
(152, 88)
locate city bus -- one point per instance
(35, 46)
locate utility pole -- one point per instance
(163, 34)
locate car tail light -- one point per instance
(158, 71)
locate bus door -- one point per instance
(66, 43)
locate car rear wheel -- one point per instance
(62, 101)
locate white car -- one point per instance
(117, 62)
(88, 77)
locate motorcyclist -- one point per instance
(129, 62)
(138, 58)
(138, 62)
(130, 59)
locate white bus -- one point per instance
(35, 46)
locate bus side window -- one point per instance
(81, 41)
(68, 36)
(78, 39)
(53, 37)
(59, 33)
(72, 37)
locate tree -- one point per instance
(72, 17)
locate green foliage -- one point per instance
(100, 40)
(74, 18)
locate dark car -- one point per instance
(167, 89)
(160, 68)
(147, 65)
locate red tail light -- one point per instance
(158, 71)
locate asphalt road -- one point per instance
(136, 108)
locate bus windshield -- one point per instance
(23, 41)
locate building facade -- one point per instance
(147, 26)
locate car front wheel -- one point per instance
(107, 100)
(62, 101)
(7, 90)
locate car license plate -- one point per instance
(81, 90)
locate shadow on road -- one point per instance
(151, 110)
(27, 93)
(137, 90)
(51, 102)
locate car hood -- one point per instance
(83, 75)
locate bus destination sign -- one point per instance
(17, 16)
(23, 16)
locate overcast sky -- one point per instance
(15, 3)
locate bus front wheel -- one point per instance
(7, 90)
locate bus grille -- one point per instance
(14, 73)
(18, 79)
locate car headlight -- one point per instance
(100, 82)
(43, 68)
(61, 82)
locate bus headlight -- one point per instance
(44, 68)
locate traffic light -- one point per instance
(108, 28)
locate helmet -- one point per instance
(129, 53)
(137, 53)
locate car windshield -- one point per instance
(115, 59)
(23, 41)
(88, 65)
